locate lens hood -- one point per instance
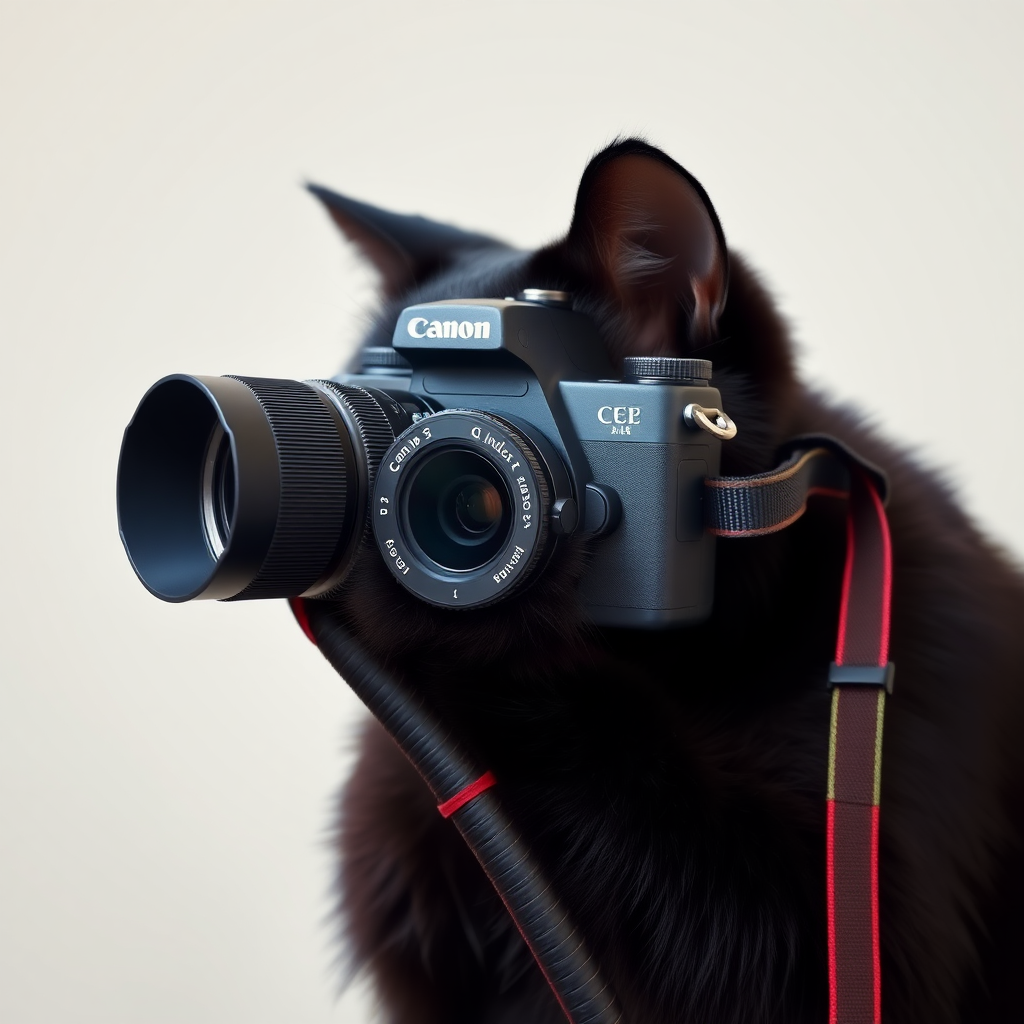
(160, 485)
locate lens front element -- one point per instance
(478, 506)
(460, 509)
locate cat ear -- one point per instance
(645, 231)
(405, 249)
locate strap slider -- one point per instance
(861, 675)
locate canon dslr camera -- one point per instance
(491, 430)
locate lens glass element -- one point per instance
(477, 506)
(458, 510)
(218, 491)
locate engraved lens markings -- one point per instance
(504, 573)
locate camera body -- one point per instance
(468, 451)
(527, 388)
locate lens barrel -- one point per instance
(461, 508)
(236, 488)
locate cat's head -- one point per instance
(645, 257)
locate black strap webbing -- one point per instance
(748, 506)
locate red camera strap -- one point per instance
(860, 677)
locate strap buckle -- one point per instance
(861, 675)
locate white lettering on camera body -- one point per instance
(421, 327)
(621, 414)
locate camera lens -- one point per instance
(458, 509)
(461, 507)
(232, 487)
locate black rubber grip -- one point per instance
(558, 948)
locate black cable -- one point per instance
(557, 946)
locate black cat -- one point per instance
(672, 784)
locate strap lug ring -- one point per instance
(714, 421)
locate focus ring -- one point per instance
(376, 434)
(314, 485)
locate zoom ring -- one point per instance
(314, 484)
(375, 432)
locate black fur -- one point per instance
(672, 783)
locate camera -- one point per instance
(491, 431)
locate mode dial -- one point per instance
(667, 368)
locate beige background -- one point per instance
(166, 772)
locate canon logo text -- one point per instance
(420, 327)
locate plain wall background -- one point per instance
(167, 772)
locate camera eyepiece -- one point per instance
(461, 508)
(234, 488)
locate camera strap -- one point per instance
(859, 678)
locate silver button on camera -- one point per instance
(546, 297)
